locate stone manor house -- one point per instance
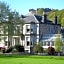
(36, 29)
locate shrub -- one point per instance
(19, 48)
(51, 50)
(37, 48)
(45, 50)
(2, 49)
(9, 50)
(40, 50)
(58, 44)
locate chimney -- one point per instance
(44, 17)
(55, 19)
(32, 11)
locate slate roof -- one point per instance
(49, 22)
(37, 19)
(32, 18)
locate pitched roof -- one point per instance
(37, 19)
(32, 18)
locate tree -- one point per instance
(40, 11)
(10, 19)
(62, 22)
(58, 44)
(37, 48)
(14, 20)
(51, 50)
(4, 10)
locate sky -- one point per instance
(23, 6)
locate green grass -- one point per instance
(25, 59)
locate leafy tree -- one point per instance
(10, 19)
(38, 48)
(62, 22)
(63, 48)
(58, 44)
(40, 11)
(4, 10)
(59, 13)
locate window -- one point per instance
(5, 43)
(52, 43)
(27, 43)
(52, 30)
(0, 30)
(48, 43)
(31, 43)
(27, 30)
(22, 37)
(44, 43)
(31, 30)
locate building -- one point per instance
(10, 36)
(40, 29)
(36, 29)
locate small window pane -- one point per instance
(27, 30)
(52, 43)
(48, 43)
(31, 43)
(44, 43)
(27, 43)
(5, 43)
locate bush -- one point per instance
(45, 50)
(9, 50)
(2, 50)
(40, 50)
(19, 48)
(37, 48)
(51, 50)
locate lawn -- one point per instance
(13, 59)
